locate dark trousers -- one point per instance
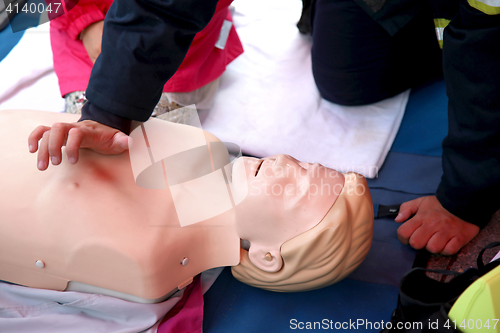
(355, 61)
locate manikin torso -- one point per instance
(92, 224)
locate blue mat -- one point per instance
(231, 306)
(9, 39)
(369, 295)
(425, 123)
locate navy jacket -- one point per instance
(143, 44)
(470, 186)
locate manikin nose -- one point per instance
(285, 159)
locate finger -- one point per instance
(437, 242)
(407, 209)
(120, 142)
(57, 140)
(421, 236)
(463, 234)
(75, 138)
(407, 229)
(35, 136)
(43, 152)
(452, 247)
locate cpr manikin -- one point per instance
(108, 225)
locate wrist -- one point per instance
(94, 113)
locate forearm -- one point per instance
(144, 42)
(471, 151)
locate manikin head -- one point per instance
(308, 226)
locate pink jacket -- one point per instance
(202, 64)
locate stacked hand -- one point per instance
(433, 227)
(86, 134)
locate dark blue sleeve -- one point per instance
(143, 44)
(470, 185)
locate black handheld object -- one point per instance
(386, 211)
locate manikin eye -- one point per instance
(258, 168)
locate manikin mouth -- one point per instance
(258, 168)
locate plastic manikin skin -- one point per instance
(141, 224)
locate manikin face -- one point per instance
(285, 198)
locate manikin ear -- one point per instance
(265, 258)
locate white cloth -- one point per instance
(268, 102)
(30, 310)
(27, 74)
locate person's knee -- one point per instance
(356, 62)
(351, 89)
